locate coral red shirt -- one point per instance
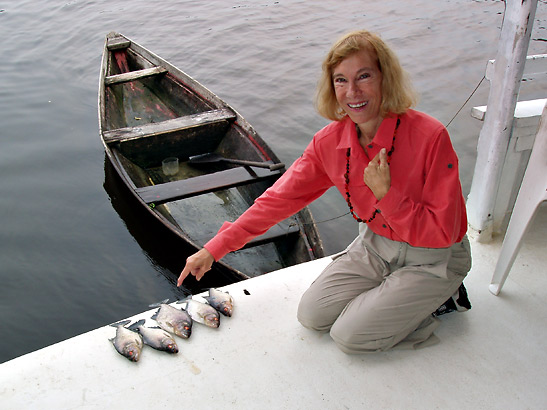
(423, 207)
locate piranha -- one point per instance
(155, 337)
(173, 320)
(127, 342)
(221, 301)
(202, 312)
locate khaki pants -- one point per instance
(379, 294)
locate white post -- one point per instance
(494, 136)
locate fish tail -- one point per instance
(136, 325)
(122, 323)
(158, 304)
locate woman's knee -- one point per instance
(309, 314)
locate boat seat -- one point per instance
(274, 233)
(532, 193)
(133, 75)
(117, 43)
(172, 191)
(176, 124)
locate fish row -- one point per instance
(130, 340)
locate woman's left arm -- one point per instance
(428, 211)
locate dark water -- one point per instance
(74, 255)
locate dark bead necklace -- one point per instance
(346, 177)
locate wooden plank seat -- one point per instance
(118, 43)
(172, 191)
(163, 127)
(274, 233)
(133, 75)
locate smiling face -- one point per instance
(358, 87)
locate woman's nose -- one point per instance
(352, 88)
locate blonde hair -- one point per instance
(398, 94)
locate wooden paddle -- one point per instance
(213, 157)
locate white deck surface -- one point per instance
(492, 357)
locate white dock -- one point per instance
(492, 357)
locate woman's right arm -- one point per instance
(302, 183)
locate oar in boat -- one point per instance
(213, 157)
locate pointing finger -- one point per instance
(185, 272)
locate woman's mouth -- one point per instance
(357, 105)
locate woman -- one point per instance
(398, 172)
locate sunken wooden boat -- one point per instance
(150, 111)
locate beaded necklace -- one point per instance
(346, 177)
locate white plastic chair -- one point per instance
(533, 191)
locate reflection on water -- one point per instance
(68, 262)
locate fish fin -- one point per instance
(158, 304)
(185, 300)
(122, 323)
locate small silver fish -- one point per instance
(173, 320)
(202, 312)
(155, 337)
(127, 342)
(221, 301)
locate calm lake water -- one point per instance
(73, 256)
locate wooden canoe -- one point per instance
(149, 111)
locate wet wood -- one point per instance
(133, 75)
(172, 191)
(176, 124)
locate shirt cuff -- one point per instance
(391, 201)
(217, 245)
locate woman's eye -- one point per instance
(364, 76)
(339, 80)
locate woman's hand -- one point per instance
(197, 264)
(377, 176)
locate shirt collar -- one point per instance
(383, 137)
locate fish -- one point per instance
(155, 337)
(221, 301)
(202, 312)
(127, 342)
(173, 320)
